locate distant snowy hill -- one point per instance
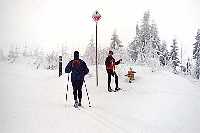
(33, 101)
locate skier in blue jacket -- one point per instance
(79, 69)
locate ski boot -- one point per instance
(76, 104)
(109, 89)
(117, 88)
(79, 103)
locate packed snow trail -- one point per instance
(33, 101)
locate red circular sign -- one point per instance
(96, 16)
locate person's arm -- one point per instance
(107, 61)
(116, 63)
(86, 70)
(68, 68)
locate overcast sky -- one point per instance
(51, 22)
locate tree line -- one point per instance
(145, 49)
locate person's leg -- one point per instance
(116, 80)
(109, 80)
(75, 89)
(80, 84)
(79, 95)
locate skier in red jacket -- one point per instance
(110, 68)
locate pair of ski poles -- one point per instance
(85, 89)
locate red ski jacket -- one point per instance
(110, 63)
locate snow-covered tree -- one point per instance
(65, 54)
(174, 60)
(17, 51)
(26, 51)
(39, 59)
(90, 53)
(145, 36)
(133, 47)
(14, 52)
(188, 67)
(2, 56)
(196, 55)
(154, 36)
(120, 52)
(52, 61)
(145, 46)
(11, 54)
(116, 43)
(164, 54)
(102, 54)
(36, 52)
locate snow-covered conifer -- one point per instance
(164, 54)
(145, 46)
(2, 56)
(11, 54)
(25, 51)
(116, 43)
(52, 60)
(188, 67)
(39, 59)
(174, 60)
(196, 55)
(90, 53)
(133, 47)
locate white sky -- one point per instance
(51, 22)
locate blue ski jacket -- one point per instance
(78, 68)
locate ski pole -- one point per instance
(87, 93)
(67, 86)
(67, 82)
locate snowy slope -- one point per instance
(33, 101)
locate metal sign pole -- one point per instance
(96, 17)
(96, 58)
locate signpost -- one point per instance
(96, 17)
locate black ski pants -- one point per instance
(77, 89)
(112, 73)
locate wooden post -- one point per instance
(60, 66)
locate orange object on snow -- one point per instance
(130, 75)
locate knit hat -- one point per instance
(111, 52)
(76, 55)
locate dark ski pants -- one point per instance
(109, 78)
(77, 88)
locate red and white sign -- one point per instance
(96, 16)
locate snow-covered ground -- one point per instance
(33, 101)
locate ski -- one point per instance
(79, 107)
(111, 90)
(119, 89)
